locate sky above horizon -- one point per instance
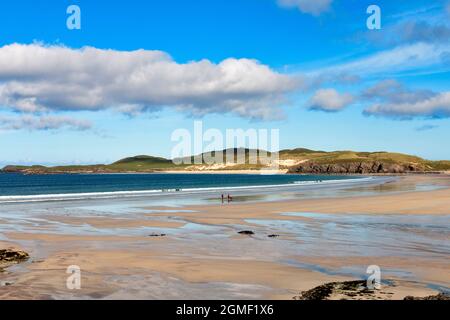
(138, 70)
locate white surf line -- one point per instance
(139, 193)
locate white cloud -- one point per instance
(437, 106)
(392, 91)
(36, 78)
(313, 7)
(329, 100)
(390, 98)
(408, 58)
(31, 122)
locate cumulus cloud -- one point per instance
(394, 92)
(329, 100)
(40, 78)
(33, 123)
(390, 98)
(313, 7)
(434, 106)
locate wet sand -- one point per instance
(322, 236)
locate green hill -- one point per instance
(141, 163)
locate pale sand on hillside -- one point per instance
(218, 171)
(197, 265)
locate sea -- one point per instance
(15, 186)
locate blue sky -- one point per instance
(311, 69)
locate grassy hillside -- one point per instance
(141, 163)
(337, 157)
(351, 157)
(288, 159)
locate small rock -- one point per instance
(37, 261)
(273, 235)
(157, 235)
(246, 232)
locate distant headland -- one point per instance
(298, 160)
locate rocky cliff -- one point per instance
(354, 167)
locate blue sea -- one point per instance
(12, 184)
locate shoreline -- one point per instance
(183, 191)
(166, 193)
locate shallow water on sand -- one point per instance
(365, 235)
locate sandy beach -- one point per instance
(190, 247)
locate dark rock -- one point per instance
(9, 257)
(157, 235)
(366, 167)
(273, 235)
(246, 232)
(318, 293)
(356, 290)
(347, 288)
(440, 296)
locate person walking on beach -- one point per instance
(222, 197)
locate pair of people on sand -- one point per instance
(229, 198)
